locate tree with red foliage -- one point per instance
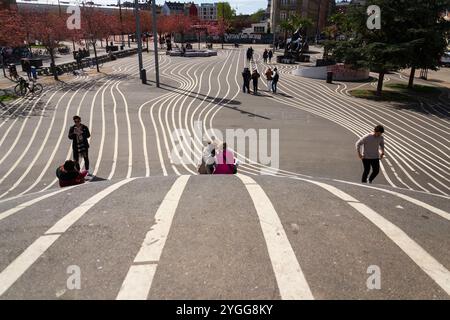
(180, 24)
(50, 29)
(12, 33)
(95, 26)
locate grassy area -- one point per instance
(416, 88)
(398, 92)
(5, 97)
(386, 95)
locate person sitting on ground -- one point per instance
(210, 162)
(225, 162)
(69, 175)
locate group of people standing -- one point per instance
(70, 172)
(217, 161)
(272, 78)
(267, 55)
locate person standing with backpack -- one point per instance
(79, 134)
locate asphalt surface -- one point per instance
(146, 227)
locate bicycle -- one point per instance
(23, 87)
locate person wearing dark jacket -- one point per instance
(246, 75)
(270, 55)
(265, 55)
(255, 77)
(275, 79)
(68, 174)
(79, 134)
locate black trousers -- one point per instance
(368, 163)
(246, 86)
(255, 87)
(76, 157)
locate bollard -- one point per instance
(144, 76)
(329, 77)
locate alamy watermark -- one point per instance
(74, 20)
(74, 280)
(374, 280)
(374, 19)
(249, 145)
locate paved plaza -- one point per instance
(293, 224)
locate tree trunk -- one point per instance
(3, 64)
(53, 65)
(95, 55)
(380, 83)
(411, 78)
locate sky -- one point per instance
(241, 6)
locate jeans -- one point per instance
(367, 163)
(274, 86)
(76, 157)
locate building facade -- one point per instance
(316, 10)
(172, 8)
(207, 11)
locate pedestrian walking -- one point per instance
(79, 134)
(275, 79)
(270, 55)
(372, 144)
(247, 76)
(249, 55)
(27, 68)
(269, 74)
(255, 77)
(265, 55)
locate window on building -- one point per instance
(283, 15)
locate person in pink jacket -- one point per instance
(225, 161)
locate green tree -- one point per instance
(258, 16)
(224, 11)
(412, 35)
(425, 38)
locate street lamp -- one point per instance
(138, 37)
(155, 42)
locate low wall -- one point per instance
(340, 73)
(193, 53)
(71, 66)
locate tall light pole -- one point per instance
(138, 36)
(155, 41)
(121, 24)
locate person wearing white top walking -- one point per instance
(372, 144)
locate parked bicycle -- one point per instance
(24, 87)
